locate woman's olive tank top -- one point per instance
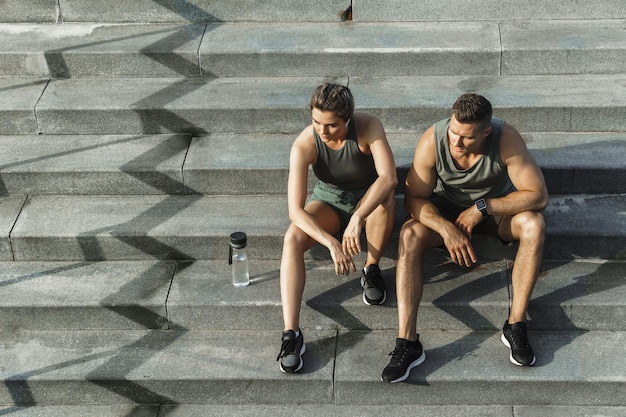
(487, 178)
(347, 168)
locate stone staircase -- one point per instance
(137, 135)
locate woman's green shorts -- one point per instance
(343, 202)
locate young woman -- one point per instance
(352, 159)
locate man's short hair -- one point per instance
(472, 108)
(334, 98)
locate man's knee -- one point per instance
(531, 225)
(413, 237)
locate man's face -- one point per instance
(466, 138)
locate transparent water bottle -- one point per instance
(238, 259)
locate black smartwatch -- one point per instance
(481, 205)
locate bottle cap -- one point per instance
(238, 240)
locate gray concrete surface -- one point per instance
(271, 105)
(216, 367)
(87, 164)
(28, 12)
(82, 295)
(201, 11)
(474, 368)
(464, 10)
(160, 366)
(10, 208)
(197, 227)
(564, 47)
(314, 49)
(18, 97)
(89, 49)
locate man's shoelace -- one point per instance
(398, 355)
(519, 339)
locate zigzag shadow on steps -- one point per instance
(122, 361)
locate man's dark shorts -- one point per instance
(489, 226)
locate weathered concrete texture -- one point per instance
(82, 411)
(30, 11)
(151, 105)
(564, 47)
(81, 295)
(197, 227)
(569, 295)
(571, 216)
(10, 208)
(156, 367)
(245, 164)
(203, 297)
(271, 105)
(565, 411)
(579, 295)
(314, 49)
(575, 163)
(530, 103)
(239, 367)
(147, 227)
(201, 11)
(474, 368)
(468, 10)
(258, 163)
(18, 97)
(85, 164)
(353, 410)
(80, 50)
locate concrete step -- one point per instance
(285, 11)
(264, 410)
(427, 48)
(254, 163)
(18, 98)
(239, 367)
(564, 47)
(85, 295)
(278, 105)
(132, 295)
(198, 227)
(461, 10)
(201, 11)
(29, 12)
(93, 164)
(79, 50)
(313, 49)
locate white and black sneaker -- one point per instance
(515, 337)
(406, 356)
(374, 292)
(291, 351)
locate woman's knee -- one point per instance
(296, 239)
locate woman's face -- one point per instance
(328, 126)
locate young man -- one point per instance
(352, 159)
(470, 172)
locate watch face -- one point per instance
(481, 204)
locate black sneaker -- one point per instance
(515, 338)
(373, 286)
(406, 356)
(291, 352)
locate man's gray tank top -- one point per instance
(487, 178)
(347, 168)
